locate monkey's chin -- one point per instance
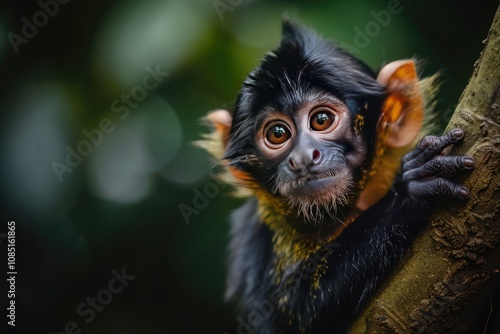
(319, 194)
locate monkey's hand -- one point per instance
(426, 171)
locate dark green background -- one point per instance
(120, 207)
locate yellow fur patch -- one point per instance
(359, 122)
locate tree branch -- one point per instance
(455, 263)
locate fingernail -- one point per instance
(469, 162)
(464, 193)
(457, 133)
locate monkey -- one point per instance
(322, 149)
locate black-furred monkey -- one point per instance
(319, 144)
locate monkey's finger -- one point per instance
(431, 146)
(421, 146)
(437, 187)
(439, 166)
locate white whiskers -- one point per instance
(314, 205)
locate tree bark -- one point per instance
(454, 264)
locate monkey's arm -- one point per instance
(373, 245)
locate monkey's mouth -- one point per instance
(319, 184)
(328, 181)
(314, 194)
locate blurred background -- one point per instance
(100, 102)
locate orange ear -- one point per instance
(402, 112)
(221, 120)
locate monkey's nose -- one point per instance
(303, 161)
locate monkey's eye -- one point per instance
(277, 134)
(321, 120)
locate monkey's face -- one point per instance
(313, 153)
(311, 121)
(296, 130)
